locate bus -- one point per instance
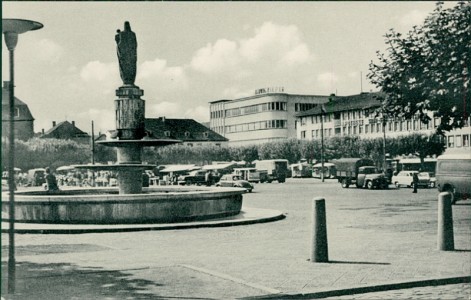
(329, 170)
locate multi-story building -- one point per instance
(356, 115)
(24, 121)
(268, 115)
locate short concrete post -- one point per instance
(319, 252)
(445, 222)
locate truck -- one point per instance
(194, 177)
(276, 169)
(248, 174)
(360, 171)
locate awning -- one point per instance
(219, 166)
(178, 168)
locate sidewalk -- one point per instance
(374, 245)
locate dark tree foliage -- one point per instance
(428, 69)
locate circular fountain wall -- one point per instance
(165, 204)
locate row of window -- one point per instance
(304, 106)
(458, 141)
(251, 109)
(260, 125)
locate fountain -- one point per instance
(130, 203)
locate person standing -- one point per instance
(51, 182)
(415, 181)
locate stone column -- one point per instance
(130, 109)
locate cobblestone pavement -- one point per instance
(442, 292)
(374, 236)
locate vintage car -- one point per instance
(405, 178)
(231, 180)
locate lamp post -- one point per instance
(11, 28)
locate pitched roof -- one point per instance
(64, 129)
(186, 130)
(25, 113)
(344, 103)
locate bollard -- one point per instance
(445, 222)
(319, 251)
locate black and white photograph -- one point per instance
(236, 150)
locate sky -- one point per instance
(191, 53)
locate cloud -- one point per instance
(199, 113)
(98, 71)
(159, 71)
(270, 45)
(48, 50)
(164, 109)
(414, 17)
(103, 119)
(235, 93)
(327, 78)
(221, 56)
(176, 110)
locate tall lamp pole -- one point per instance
(11, 28)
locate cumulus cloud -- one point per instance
(103, 119)
(199, 113)
(271, 44)
(158, 70)
(48, 50)
(166, 109)
(414, 17)
(98, 71)
(221, 56)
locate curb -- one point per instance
(256, 215)
(368, 289)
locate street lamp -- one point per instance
(11, 28)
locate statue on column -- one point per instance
(127, 53)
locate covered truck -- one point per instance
(361, 172)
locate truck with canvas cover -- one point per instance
(361, 172)
(276, 169)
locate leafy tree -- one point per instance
(428, 69)
(421, 145)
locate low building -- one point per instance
(24, 121)
(190, 132)
(356, 116)
(66, 131)
(269, 115)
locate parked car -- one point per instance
(197, 177)
(231, 180)
(405, 178)
(453, 174)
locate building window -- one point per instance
(451, 141)
(367, 127)
(17, 112)
(458, 141)
(205, 134)
(303, 134)
(360, 129)
(313, 133)
(187, 134)
(465, 140)
(167, 133)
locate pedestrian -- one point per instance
(51, 182)
(415, 181)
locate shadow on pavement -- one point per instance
(66, 281)
(357, 262)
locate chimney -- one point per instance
(42, 131)
(73, 123)
(53, 123)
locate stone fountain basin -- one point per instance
(165, 204)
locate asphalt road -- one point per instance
(373, 235)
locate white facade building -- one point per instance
(355, 115)
(268, 115)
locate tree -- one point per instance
(421, 145)
(428, 70)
